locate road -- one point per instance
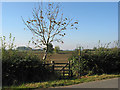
(110, 83)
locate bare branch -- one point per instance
(48, 24)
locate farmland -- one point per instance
(57, 57)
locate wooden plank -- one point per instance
(64, 67)
(60, 70)
(61, 63)
(57, 69)
(58, 66)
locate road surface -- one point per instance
(110, 83)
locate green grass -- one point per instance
(65, 82)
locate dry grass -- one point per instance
(58, 58)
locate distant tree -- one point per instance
(94, 48)
(48, 25)
(50, 48)
(57, 49)
(24, 48)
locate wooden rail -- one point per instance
(63, 68)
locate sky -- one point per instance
(97, 21)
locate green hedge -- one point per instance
(22, 67)
(96, 62)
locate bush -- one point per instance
(57, 49)
(21, 69)
(101, 60)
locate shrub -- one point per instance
(98, 61)
(18, 69)
(22, 67)
(57, 49)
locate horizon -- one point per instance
(97, 20)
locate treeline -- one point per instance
(56, 49)
(23, 48)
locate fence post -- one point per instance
(69, 68)
(53, 63)
(63, 73)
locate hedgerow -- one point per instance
(22, 67)
(101, 60)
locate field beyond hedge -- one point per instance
(61, 57)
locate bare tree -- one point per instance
(48, 25)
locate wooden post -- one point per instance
(63, 73)
(71, 71)
(53, 63)
(69, 68)
(79, 61)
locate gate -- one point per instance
(63, 68)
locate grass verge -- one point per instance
(65, 82)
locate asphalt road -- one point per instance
(110, 83)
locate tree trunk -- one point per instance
(45, 54)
